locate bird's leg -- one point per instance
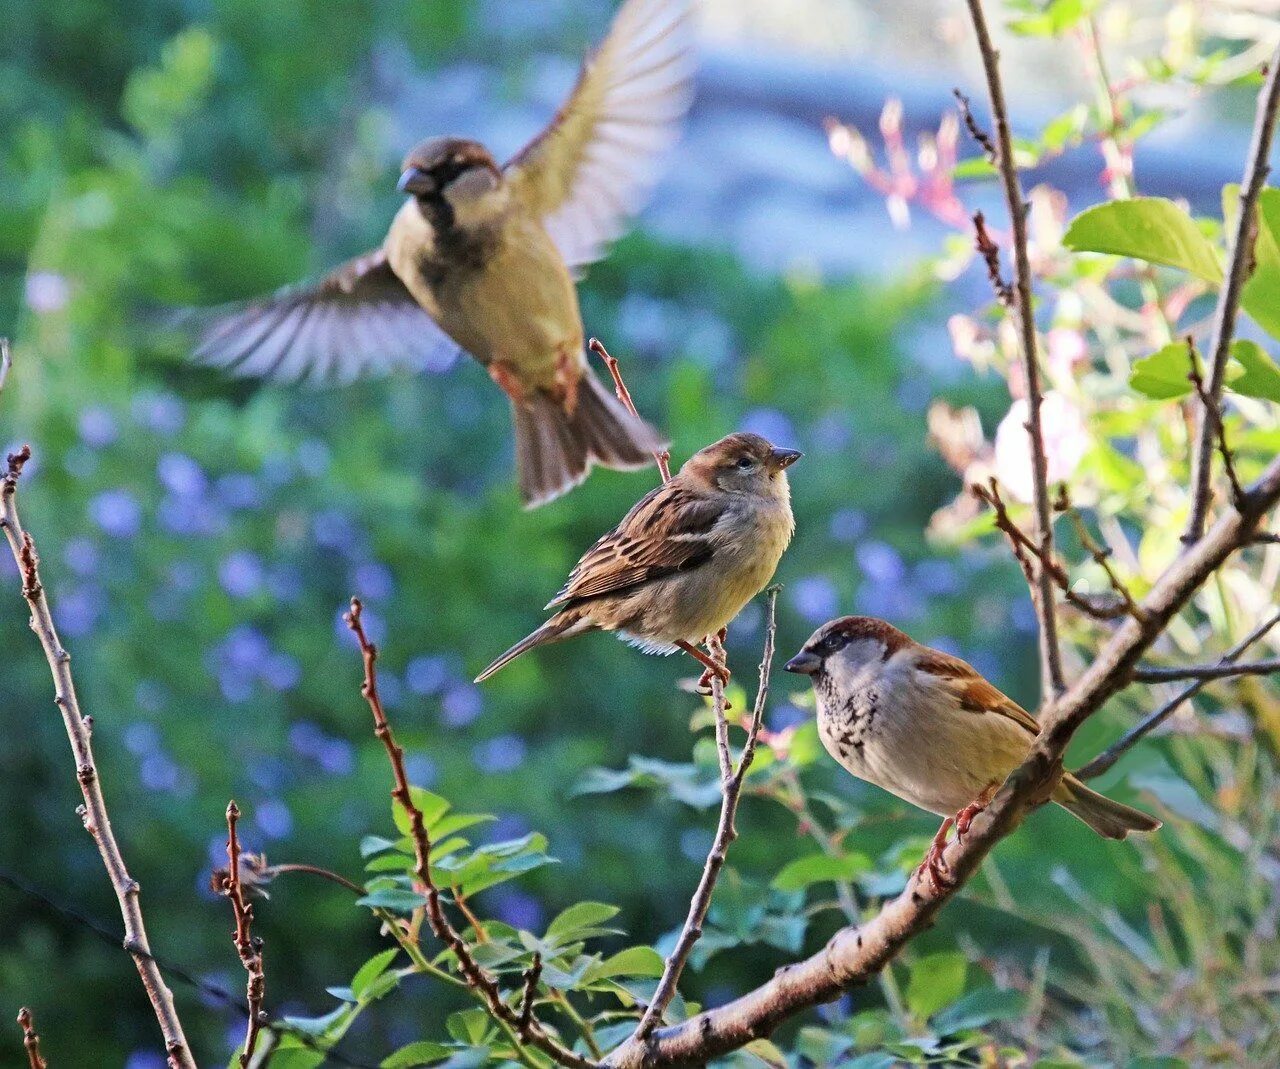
(933, 864)
(712, 666)
(568, 377)
(965, 817)
(508, 381)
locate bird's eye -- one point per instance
(745, 462)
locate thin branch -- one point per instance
(6, 361)
(730, 794)
(477, 978)
(1211, 410)
(247, 945)
(990, 253)
(857, 953)
(530, 976)
(1052, 680)
(975, 131)
(93, 813)
(27, 1023)
(662, 456)
(1100, 554)
(1224, 316)
(1221, 670)
(1118, 749)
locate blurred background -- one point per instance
(201, 535)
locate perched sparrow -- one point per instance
(482, 257)
(927, 727)
(685, 560)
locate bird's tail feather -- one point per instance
(562, 625)
(556, 449)
(1104, 815)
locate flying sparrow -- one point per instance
(685, 560)
(927, 727)
(483, 258)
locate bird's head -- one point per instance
(847, 646)
(448, 164)
(743, 463)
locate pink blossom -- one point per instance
(1065, 443)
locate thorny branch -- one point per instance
(1052, 681)
(1224, 316)
(30, 1040)
(731, 782)
(990, 253)
(484, 984)
(247, 945)
(662, 456)
(93, 813)
(1120, 747)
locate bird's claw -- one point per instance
(934, 864)
(967, 815)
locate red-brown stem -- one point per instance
(247, 946)
(30, 1040)
(476, 977)
(662, 456)
(93, 812)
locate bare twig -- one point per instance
(730, 792)
(1101, 554)
(990, 253)
(1221, 670)
(476, 977)
(1211, 410)
(975, 131)
(857, 953)
(6, 361)
(530, 976)
(93, 813)
(247, 945)
(1052, 680)
(1238, 270)
(662, 456)
(30, 1040)
(1118, 749)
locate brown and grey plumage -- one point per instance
(686, 558)
(482, 258)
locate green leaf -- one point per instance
(1261, 376)
(582, 917)
(433, 807)
(1163, 374)
(1261, 295)
(400, 899)
(468, 1026)
(330, 1025)
(820, 868)
(979, 1008)
(1054, 19)
(1146, 228)
(296, 1057)
(634, 961)
(371, 970)
(935, 981)
(423, 1052)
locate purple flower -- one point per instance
(427, 675)
(337, 757)
(189, 516)
(313, 457)
(150, 696)
(937, 577)
(334, 530)
(98, 428)
(770, 423)
(141, 738)
(241, 574)
(159, 773)
(785, 716)
(239, 490)
(373, 627)
(373, 580)
(162, 413)
(117, 512)
(284, 583)
(281, 672)
(814, 598)
(306, 738)
(81, 556)
(514, 907)
(273, 818)
(880, 563)
(848, 525)
(149, 1059)
(77, 610)
(460, 705)
(421, 769)
(245, 648)
(503, 753)
(46, 292)
(181, 476)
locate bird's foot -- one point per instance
(568, 378)
(712, 669)
(508, 381)
(934, 865)
(966, 816)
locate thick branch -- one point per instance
(730, 794)
(477, 978)
(1238, 271)
(856, 954)
(1050, 652)
(93, 812)
(30, 1041)
(1118, 749)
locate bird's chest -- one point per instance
(847, 723)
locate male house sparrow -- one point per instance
(685, 560)
(928, 728)
(483, 257)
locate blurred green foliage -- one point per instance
(202, 536)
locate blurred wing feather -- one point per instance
(973, 690)
(358, 320)
(593, 166)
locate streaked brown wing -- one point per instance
(667, 531)
(592, 167)
(974, 691)
(357, 320)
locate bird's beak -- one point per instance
(804, 663)
(416, 181)
(784, 458)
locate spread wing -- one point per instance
(593, 166)
(974, 691)
(357, 320)
(668, 531)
